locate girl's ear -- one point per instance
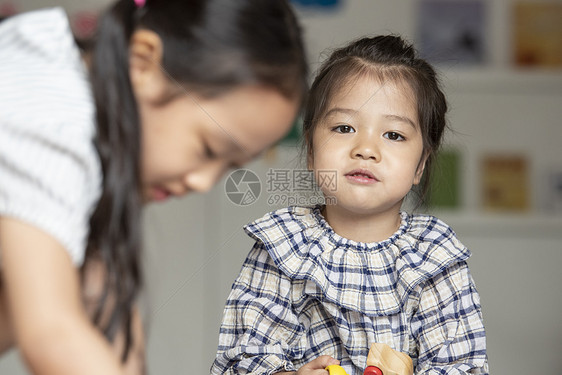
(145, 66)
(421, 168)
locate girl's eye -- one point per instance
(393, 136)
(344, 129)
(209, 154)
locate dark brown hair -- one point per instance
(210, 46)
(389, 58)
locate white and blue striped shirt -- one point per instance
(50, 175)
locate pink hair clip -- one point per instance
(140, 3)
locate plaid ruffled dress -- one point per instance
(305, 291)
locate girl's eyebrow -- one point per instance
(402, 119)
(347, 111)
(352, 112)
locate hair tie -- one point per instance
(140, 3)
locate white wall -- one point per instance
(195, 248)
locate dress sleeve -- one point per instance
(448, 329)
(259, 333)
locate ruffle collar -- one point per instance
(372, 278)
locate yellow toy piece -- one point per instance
(381, 360)
(336, 370)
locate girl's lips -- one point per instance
(362, 176)
(159, 194)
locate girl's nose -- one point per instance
(366, 148)
(206, 176)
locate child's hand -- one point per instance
(318, 366)
(314, 367)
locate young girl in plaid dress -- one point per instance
(323, 283)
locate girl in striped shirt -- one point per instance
(173, 94)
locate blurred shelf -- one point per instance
(503, 224)
(514, 81)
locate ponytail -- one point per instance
(115, 224)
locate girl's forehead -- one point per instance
(369, 86)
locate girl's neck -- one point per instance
(362, 228)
